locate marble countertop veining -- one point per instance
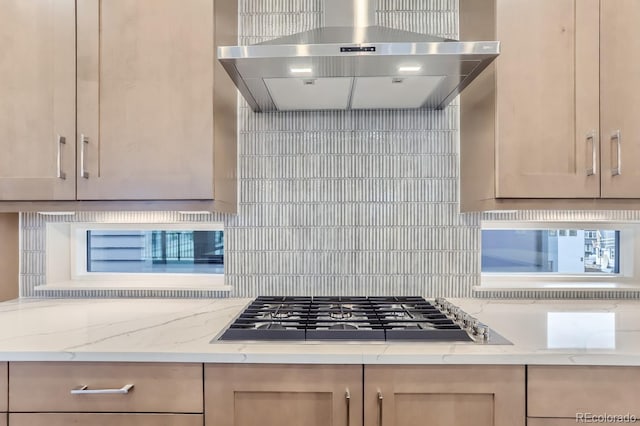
(560, 332)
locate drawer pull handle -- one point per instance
(592, 154)
(617, 171)
(347, 396)
(84, 141)
(380, 399)
(82, 390)
(61, 140)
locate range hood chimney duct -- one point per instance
(350, 13)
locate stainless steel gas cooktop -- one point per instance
(358, 319)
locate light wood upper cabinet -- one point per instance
(444, 395)
(37, 100)
(547, 103)
(540, 129)
(156, 112)
(276, 395)
(145, 110)
(620, 77)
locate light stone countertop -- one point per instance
(160, 330)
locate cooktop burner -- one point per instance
(355, 318)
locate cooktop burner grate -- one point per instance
(352, 318)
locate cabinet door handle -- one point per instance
(380, 398)
(617, 138)
(592, 155)
(83, 390)
(347, 396)
(61, 140)
(84, 141)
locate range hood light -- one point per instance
(301, 70)
(410, 69)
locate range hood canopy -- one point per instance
(351, 63)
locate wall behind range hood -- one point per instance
(361, 203)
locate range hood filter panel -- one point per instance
(295, 94)
(393, 92)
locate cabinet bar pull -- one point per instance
(59, 142)
(84, 141)
(591, 154)
(82, 390)
(347, 396)
(617, 171)
(380, 398)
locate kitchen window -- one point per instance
(127, 255)
(165, 251)
(559, 255)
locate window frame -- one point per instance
(629, 261)
(67, 242)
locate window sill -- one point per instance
(133, 285)
(556, 286)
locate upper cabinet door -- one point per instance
(145, 99)
(548, 100)
(620, 77)
(37, 100)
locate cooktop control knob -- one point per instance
(482, 331)
(471, 323)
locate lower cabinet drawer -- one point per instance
(568, 391)
(3, 419)
(102, 419)
(157, 388)
(551, 422)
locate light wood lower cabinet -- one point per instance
(4, 386)
(444, 395)
(3, 419)
(276, 395)
(102, 419)
(157, 388)
(564, 422)
(564, 391)
(267, 395)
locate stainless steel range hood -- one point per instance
(350, 63)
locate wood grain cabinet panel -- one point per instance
(3, 419)
(619, 98)
(4, 387)
(444, 395)
(145, 87)
(37, 100)
(276, 395)
(563, 391)
(102, 419)
(158, 388)
(547, 99)
(563, 422)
